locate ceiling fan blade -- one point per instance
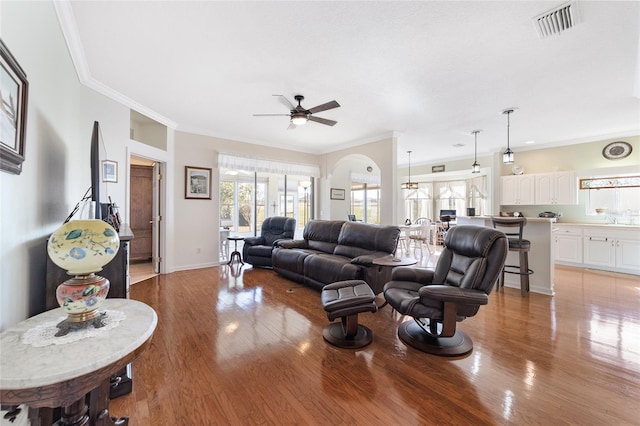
(322, 120)
(286, 102)
(292, 126)
(272, 115)
(324, 107)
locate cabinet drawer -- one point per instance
(568, 231)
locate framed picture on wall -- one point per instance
(109, 171)
(13, 113)
(197, 183)
(337, 194)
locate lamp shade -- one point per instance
(83, 247)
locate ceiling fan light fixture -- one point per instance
(299, 118)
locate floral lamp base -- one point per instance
(80, 297)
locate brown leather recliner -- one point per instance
(466, 271)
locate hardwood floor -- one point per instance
(248, 349)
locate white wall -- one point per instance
(56, 171)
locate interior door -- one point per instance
(155, 226)
(142, 206)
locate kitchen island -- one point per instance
(539, 231)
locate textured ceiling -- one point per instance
(430, 72)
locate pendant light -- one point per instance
(475, 167)
(507, 157)
(409, 184)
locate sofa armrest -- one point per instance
(277, 242)
(291, 244)
(364, 260)
(254, 241)
(461, 296)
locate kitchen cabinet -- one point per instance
(568, 244)
(556, 188)
(612, 248)
(517, 190)
(606, 247)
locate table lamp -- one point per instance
(83, 247)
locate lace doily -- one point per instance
(44, 334)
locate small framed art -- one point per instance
(109, 171)
(337, 194)
(197, 183)
(13, 114)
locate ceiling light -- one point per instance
(475, 167)
(409, 184)
(299, 118)
(507, 156)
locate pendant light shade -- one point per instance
(409, 184)
(507, 156)
(475, 167)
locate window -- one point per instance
(617, 204)
(455, 194)
(419, 202)
(365, 202)
(253, 189)
(618, 198)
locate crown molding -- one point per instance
(70, 33)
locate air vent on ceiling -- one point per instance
(556, 20)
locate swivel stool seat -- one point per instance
(513, 229)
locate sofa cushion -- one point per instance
(357, 239)
(322, 235)
(288, 260)
(329, 268)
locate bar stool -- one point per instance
(516, 243)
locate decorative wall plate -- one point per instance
(617, 150)
(517, 170)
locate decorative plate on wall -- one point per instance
(517, 170)
(617, 150)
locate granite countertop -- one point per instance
(529, 219)
(600, 225)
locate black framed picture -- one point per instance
(14, 90)
(337, 194)
(197, 183)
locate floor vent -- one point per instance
(556, 20)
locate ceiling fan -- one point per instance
(300, 115)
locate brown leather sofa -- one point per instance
(333, 250)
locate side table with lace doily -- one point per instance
(44, 372)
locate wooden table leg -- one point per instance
(99, 407)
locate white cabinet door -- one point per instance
(517, 190)
(568, 248)
(556, 188)
(566, 188)
(508, 190)
(526, 189)
(568, 244)
(544, 186)
(599, 251)
(628, 254)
